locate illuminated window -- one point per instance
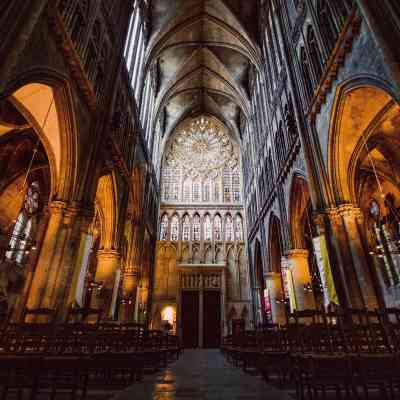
(228, 228)
(22, 237)
(187, 189)
(207, 228)
(207, 191)
(175, 228)
(196, 227)
(216, 191)
(196, 191)
(217, 228)
(239, 228)
(236, 186)
(227, 183)
(164, 227)
(186, 228)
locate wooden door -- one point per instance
(212, 319)
(190, 319)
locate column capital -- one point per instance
(130, 270)
(57, 207)
(270, 276)
(109, 254)
(350, 211)
(297, 253)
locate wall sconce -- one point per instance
(283, 300)
(94, 286)
(308, 288)
(127, 301)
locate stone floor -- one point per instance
(202, 374)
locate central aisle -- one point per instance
(202, 374)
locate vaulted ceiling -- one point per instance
(202, 51)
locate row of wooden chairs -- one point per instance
(361, 339)
(69, 358)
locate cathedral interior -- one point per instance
(199, 199)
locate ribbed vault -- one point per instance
(203, 53)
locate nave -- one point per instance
(202, 374)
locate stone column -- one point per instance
(108, 261)
(275, 290)
(129, 288)
(51, 246)
(353, 219)
(298, 264)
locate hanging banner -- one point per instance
(325, 272)
(288, 285)
(115, 292)
(83, 261)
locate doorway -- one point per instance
(212, 319)
(190, 319)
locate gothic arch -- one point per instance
(299, 199)
(106, 203)
(38, 94)
(364, 110)
(274, 245)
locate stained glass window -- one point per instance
(187, 190)
(239, 228)
(164, 227)
(227, 183)
(216, 191)
(207, 228)
(196, 191)
(22, 234)
(175, 228)
(236, 186)
(228, 228)
(186, 228)
(196, 227)
(217, 228)
(206, 190)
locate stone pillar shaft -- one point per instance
(275, 290)
(107, 264)
(50, 251)
(298, 262)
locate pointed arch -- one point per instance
(106, 203)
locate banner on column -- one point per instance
(288, 285)
(325, 272)
(83, 262)
(115, 292)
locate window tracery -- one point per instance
(208, 160)
(217, 228)
(23, 232)
(228, 228)
(207, 228)
(175, 228)
(239, 228)
(186, 228)
(196, 227)
(164, 227)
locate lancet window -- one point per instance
(207, 228)
(186, 228)
(217, 228)
(164, 227)
(175, 228)
(239, 228)
(196, 227)
(23, 233)
(228, 228)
